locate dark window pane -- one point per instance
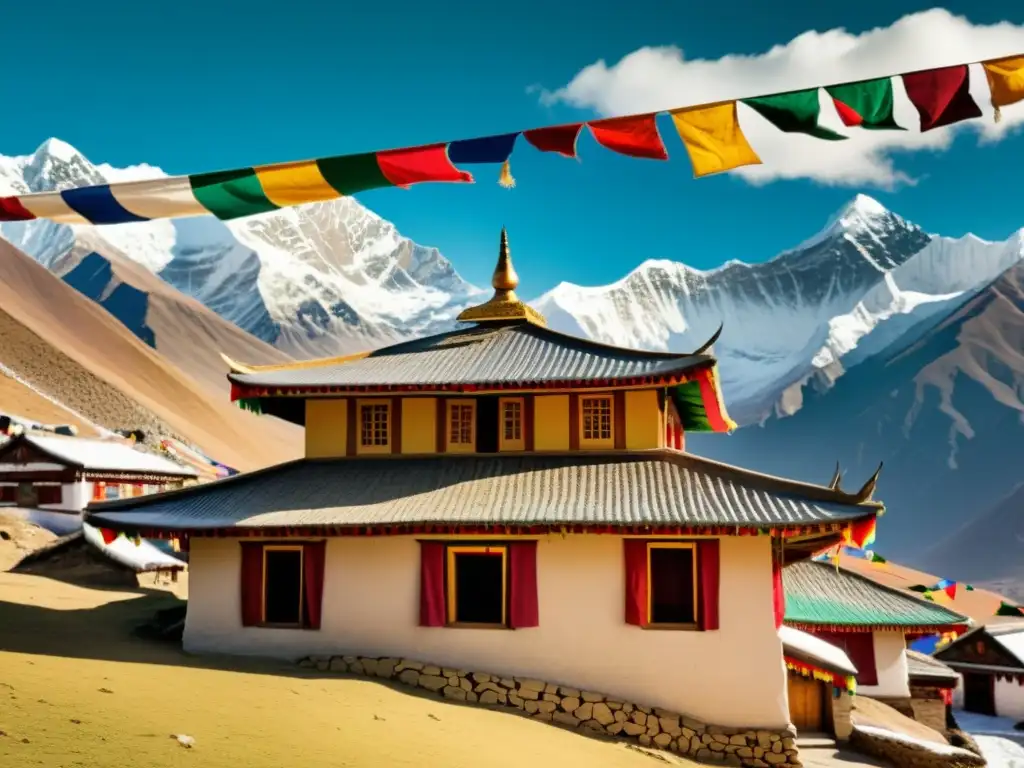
(478, 588)
(283, 586)
(672, 586)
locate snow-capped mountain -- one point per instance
(322, 279)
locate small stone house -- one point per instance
(990, 659)
(869, 621)
(504, 513)
(932, 686)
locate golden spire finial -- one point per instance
(504, 278)
(504, 305)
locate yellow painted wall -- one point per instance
(326, 428)
(644, 428)
(551, 423)
(419, 425)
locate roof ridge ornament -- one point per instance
(504, 306)
(867, 491)
(836, 477)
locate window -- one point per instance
(374, 426)
(511, 427)
(27, 495)
(282, 585)
(596, 422)
(477, 585)
(49, 494)
(461, 432)
(672, 583)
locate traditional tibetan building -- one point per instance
(873, 624)
(991, 660)
(511, 504)
(52, 478)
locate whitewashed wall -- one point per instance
(733, 677)
(1009, 699)
(891, 662)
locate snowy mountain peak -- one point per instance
(56, 149)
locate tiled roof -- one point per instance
(517, 353)
(657, 487)
(926, 669)
(104, 456)
(813, 650)
(820, 594)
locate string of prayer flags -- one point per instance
(711, 133)
(713, 139)
(632, 136)
(941, 96)
(947, 586)
(108, 535)
(840, 682)
(491, 149)
(867, 104)
(1005, 82)
(861, 533)
(794, 112)
(560, 139)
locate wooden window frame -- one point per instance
(451, 592)
(302, 586)
(509, 444)
(692, 546)
(449, 406)
(362, 449)
(597, 443)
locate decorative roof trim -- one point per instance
(246, 368)
(852, 628)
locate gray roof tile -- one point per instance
(486, 354)
(657, 487)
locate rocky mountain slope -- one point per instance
(322, 279)
(60, 351)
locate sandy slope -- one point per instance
(17, 399)
(77, 689)
(979, 604)
(103, 362)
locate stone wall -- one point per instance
(594, 713)
(909, 755)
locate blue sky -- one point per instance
(203, 86)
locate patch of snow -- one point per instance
(816, 648)
(1011, 641)
(141, 558)
(1000, 753)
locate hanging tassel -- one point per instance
(505, 177)
(997, 115)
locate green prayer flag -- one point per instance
(969, 588)
(794, 112)
(1005, 609)
(868, 104)
(876, 558)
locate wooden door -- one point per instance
(806, 704)
(980, 693)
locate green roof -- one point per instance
(819, 595)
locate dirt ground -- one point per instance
(76, 689)
(18, 538)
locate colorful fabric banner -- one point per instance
(699, 404)
(713, 139)
(942, 96)
(632, 136)
(711, 133)
(867, 104)
(802, 668)
(795, 112)
(1005, 81)
(560, 139)
(861, 533)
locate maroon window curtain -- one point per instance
(50, 494)
(860, 647)
(313, 559)
(252, 583)
(778, 593)
(635, 551)
(523, 610)
(708, 565)
(432, 600)
(8, 493)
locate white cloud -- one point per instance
(662, 78)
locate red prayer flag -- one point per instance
(848, 115)
(708, 561)
(942, 96)
(633, 136)
(11, 209)
(403, 167)
(560, 138)
(635, 551)
(778, 593)
(108, 535)
(523, 610)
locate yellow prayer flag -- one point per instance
(1005, 80)
(714, 139)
